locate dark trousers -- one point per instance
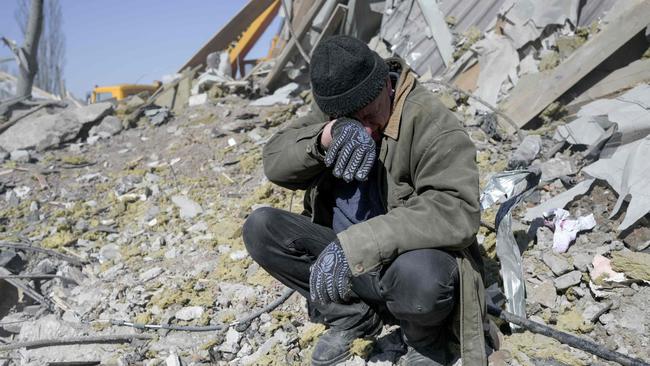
(418, 289)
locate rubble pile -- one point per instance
(120, 219)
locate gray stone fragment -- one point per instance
(556, 263)
(544, 238)
(45, 131)
(581, 261)
(188, 208)
(109, 252)
(150, 274)
(526, 151)
(543, 294)
(189, 313)
(557, 167)
(594, 310)
(21, 156)
(109, 126)
(570, 279)
(151, 213)
(199, 227)
(12, 198)
(46, 266)
(231, 343)
(173, 360)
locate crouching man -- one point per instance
(391, 211)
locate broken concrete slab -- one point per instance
(567, 280)
(280, 96)
(20, 156)
(498, 60)
(198, 99)
(558, 264)
(109, 126)
(49, 130)
(557, 167)
(543, 294)
(526, 152)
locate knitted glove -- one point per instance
(352, 149)
(330, 277)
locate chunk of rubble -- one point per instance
(45, 131)
(558, 264)
(188, 208)
(189, 313)
(543, 294)
(568, 280)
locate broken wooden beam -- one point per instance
(229, 32)
(26, 289)
(535, 92)
(335, 20)
(53, 253)
(272, 79)
(618, 80)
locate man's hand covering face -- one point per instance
(330, 278)
(352, 149)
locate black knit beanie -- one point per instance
(345, 75)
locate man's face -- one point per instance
(375, 115)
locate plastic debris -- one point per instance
(565, 229)
(515, 186)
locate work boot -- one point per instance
(334, 345)
(428, 356)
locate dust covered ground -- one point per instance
(155, 213)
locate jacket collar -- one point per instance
(405, 84)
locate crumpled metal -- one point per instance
(510, 188)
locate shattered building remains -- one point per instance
(120, 222)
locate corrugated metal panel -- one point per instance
(411, 38)
(593, 10)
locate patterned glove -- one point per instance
(352, 149)
(330, 278)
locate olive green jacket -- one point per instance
(429, 185)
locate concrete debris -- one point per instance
(188, 208)
(109, 126)
(49, 130)
(20, 156)
(498, 60)
(526, 152)
(527, 19)
(189, 313)
(559, 201)
(199, 99)
(280, 96)
(557, 167)
(558, 264)
(157, 116)
(568, 280)
(159, 238)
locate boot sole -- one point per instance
(347, 355)
(334, 361)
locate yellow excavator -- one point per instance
(120, 91)
(238, 47)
